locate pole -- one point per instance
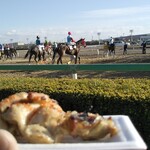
(131, 31)
(99, 37)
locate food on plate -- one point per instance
(36, 118)
(88, 126)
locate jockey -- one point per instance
(111, 41)
(45, 43)
(0, 46)
(7, 47)
(0, 50)
(38, 43)
(70, 41)
(55, 44)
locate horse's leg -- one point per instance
(75, 59)
(43, 55)
(35, 58)
(53, 58)
(72, 57)
(39, 56)
(9, 55)
(30, 58)
(113, 52)
(104, 53)
(79, 59)
(0, 56)
(26, 55)
(16, 54)
(61, 60)
(58, 60)
(107, 53)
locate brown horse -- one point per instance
(34, 51)
(38, 54)
(64, 49)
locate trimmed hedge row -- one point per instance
(104, 96)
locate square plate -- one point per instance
(127, 139)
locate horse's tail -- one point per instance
(26, 55)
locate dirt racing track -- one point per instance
(89, 55)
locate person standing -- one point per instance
(125, 48)
(143, 47)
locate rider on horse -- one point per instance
(70, 41)
(1, 50)
(45, 43)
(111, 41)
(38, 43)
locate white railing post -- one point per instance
(74, 76)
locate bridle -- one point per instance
(81, 42)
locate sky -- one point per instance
(23, 20)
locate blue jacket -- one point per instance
(38, 42)
(69, 39)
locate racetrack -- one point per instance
(88, 56)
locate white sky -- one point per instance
(25, 19)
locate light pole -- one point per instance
(27, 42)
(11, 41)
(99, 37)
(98, 50)
(131, 31)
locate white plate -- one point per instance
(127, 139)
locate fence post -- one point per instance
(73, 69)
(74, 76)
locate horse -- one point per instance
(13, 52)
(34, 51)
(38, 54)
(48, 49)
(111, 49)
(65, 49)
(9, 53)
(1, 54)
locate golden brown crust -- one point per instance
(7, 102)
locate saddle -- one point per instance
(72, 50)
(40, 47)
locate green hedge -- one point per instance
(104, 96)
